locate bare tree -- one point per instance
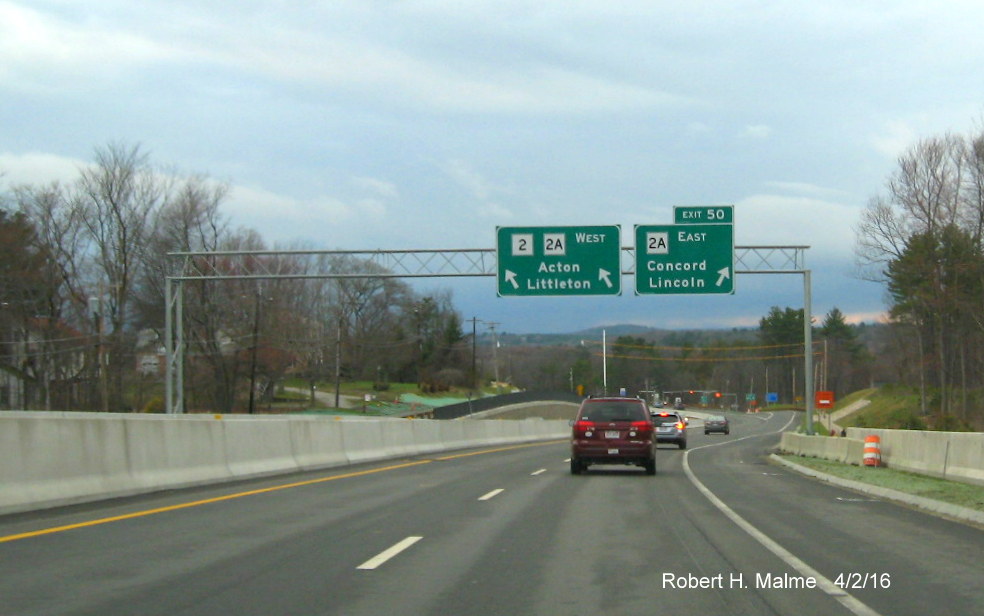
(924, 239)
(115, 201)
(61, 301)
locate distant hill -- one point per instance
(613, 332)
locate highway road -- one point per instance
(504, 530)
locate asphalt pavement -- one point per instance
(502, 530)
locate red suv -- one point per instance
(613, 431)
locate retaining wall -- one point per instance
(54, 459)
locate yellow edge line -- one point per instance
(218, 499)
(478, 453)
(207, 501)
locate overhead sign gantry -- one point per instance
(528, 261)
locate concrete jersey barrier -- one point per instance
(958, 456)
(54, 459)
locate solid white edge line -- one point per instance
(389, 553)
(491, 494)
(823, 583)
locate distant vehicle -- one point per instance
(716, 423)
(670, 428)
(678, 404)
(613, 431)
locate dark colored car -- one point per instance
(670, 428)
(716, 423)
(613, 431)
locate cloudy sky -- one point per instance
(424, 124)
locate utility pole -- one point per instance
(474, 371)
(338, 364)
(604, 362)
(96, 307)
(252, 361)
(495, 356)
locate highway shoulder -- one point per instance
(956, 512)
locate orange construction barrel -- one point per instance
(872, 450)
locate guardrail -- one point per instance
(54, 459)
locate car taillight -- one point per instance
(581, 427)
(642, 426)
(679, 425)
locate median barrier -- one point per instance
(49, 460)
(362, 441)
(484, 432)
(451, 434)
(258, 447)
(427, 435)
(173, 454)
(398, 439)
(61, 461)
(317, 443)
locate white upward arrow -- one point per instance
(511, 278)
(606, 276)
(725, 272)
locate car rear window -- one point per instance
(715, 418)
(663, 420)
(613, 411)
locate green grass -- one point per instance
(391, 393)
(819, 428)
(954, 492)
(851, 398)
(892, 407)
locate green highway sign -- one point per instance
(559, 260)
(682, 259)
(703, 214)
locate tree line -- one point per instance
(82, 276)
(923, 238)
(738, 362)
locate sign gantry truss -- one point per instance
(468, 262)
(465, 262)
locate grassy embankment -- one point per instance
(394, 399)
(892, 407)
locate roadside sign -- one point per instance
(682, 259)
(534, 261)
(704, 214)
(824, 399)
(772, 397)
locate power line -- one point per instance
(709, 359)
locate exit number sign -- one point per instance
(704, 214)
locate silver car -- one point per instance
(716, 423)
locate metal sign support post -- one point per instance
(174, 346)
(808, 348)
